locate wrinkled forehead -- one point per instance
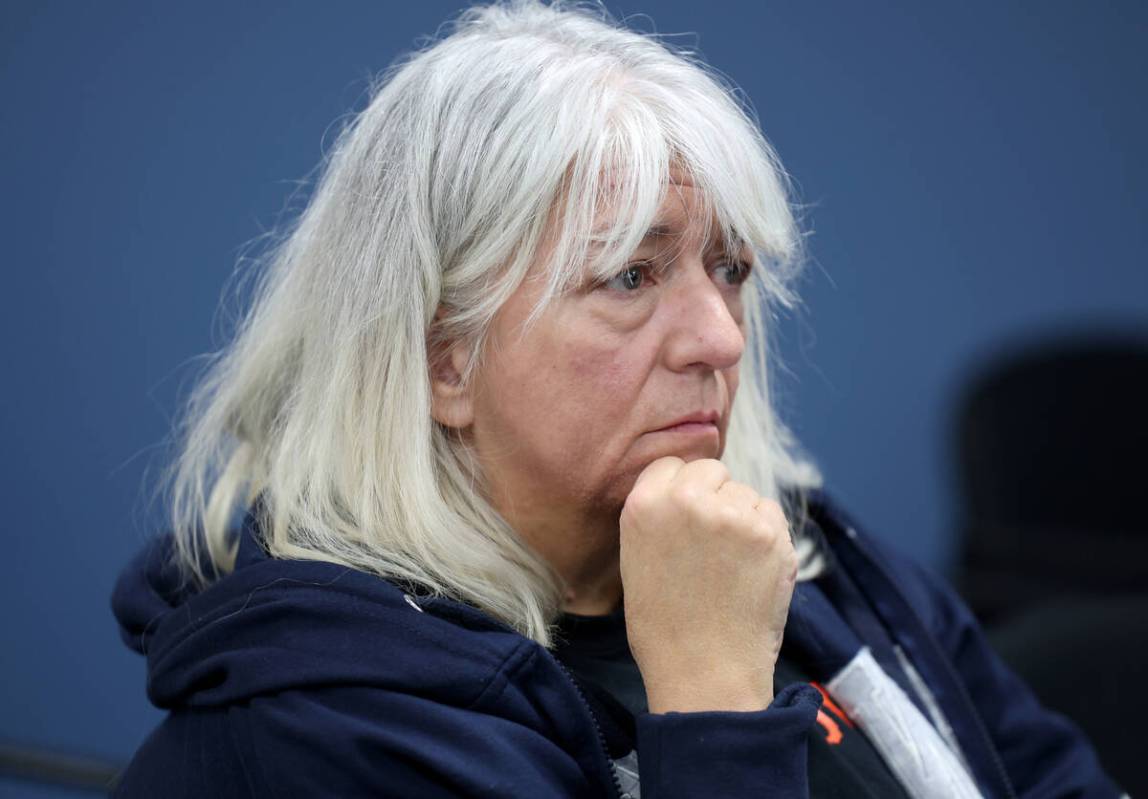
(684, 218)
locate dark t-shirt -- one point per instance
(842, 762)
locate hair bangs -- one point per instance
(742, 179)
(644, 138)
(609, 199)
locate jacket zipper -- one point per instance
(597, 729)
(452, 609)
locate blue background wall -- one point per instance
(975, 175)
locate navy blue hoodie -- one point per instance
(303, 678)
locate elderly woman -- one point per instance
(518, 519)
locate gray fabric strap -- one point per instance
(911, 747)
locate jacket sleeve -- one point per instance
(1043, 753)
(343, 741)
(729, 754)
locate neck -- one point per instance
(584, 552)
(598, 593)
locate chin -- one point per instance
(698, 453)
(627, 474)
(694, 451)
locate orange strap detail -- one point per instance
(833, 734)
(827, 701)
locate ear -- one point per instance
(451, 401)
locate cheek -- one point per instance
(596, 369)
(607, 373)
(568, 392)
(732, 376)
(587, 405)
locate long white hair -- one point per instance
(427, 213)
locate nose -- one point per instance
(705, 329)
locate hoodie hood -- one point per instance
(273, 625)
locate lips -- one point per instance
(696, 418)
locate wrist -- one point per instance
(702, 694)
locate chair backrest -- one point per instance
(1052, 448)
(1087, 658)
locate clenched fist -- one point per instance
(708, 570)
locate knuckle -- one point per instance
(727, 517)
(763, 530)
(793, 564)
(684, 495)
(770, 508)
(706, 466)
(788, 547)
(774, 534)
(639, 503)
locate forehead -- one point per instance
(685, 212)
(593, 230)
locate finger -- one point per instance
(659, 472)
(706, 475)
(774, 517)
(771, 511)
(740, 494)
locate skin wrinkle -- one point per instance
(317, 401)
(582, 394)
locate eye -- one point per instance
(734, 272)
(629, 279)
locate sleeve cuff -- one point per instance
(727, 753)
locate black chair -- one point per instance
(1087, 658)
(1052, 446)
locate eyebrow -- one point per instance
(655, 231)
(659, 231)
(665, 230)
(716, 243)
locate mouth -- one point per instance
(697, 422)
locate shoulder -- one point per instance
(309, 678)
(927, 592)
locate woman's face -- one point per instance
(566, 417)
